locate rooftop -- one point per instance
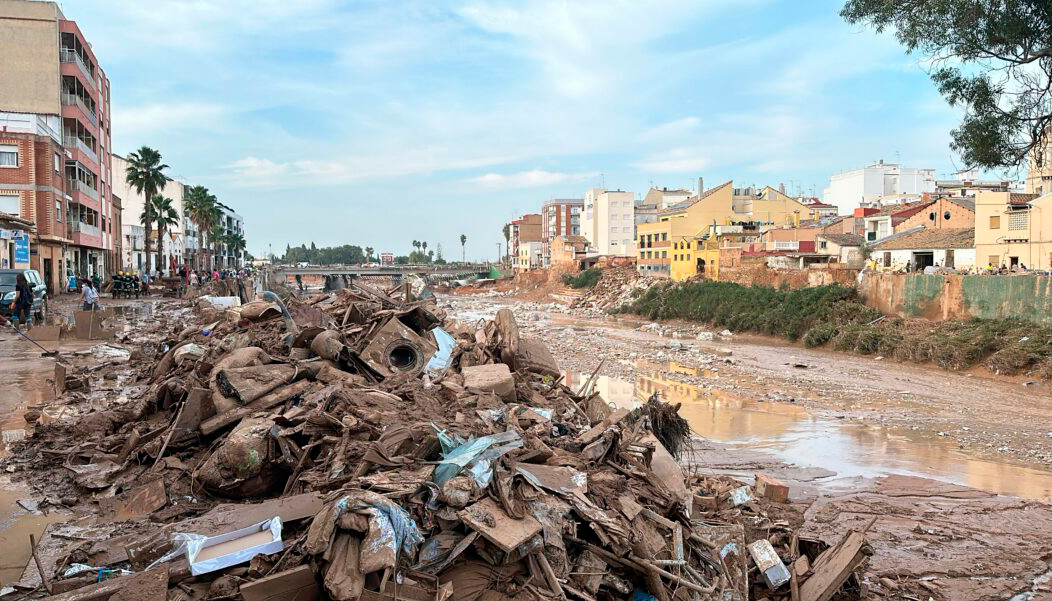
(843, 239)
(685, 204)
(923, 238)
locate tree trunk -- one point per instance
(148, 229)
(160, 251)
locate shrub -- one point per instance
(585, 279)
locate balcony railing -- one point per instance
(69, 99)
(67, 55)
(84, 228)
(81, 146)
(82, 188)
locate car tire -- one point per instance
(41, 315)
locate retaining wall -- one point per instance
(939, 297)
(761, 275)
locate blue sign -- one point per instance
(22, 249)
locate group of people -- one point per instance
(992, 269)
(200, 277)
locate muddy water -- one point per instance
(24, 375)
(795, 435)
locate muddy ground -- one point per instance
(854, 438)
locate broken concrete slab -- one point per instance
(494, 377)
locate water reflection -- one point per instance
(797, 436)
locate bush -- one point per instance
(585, 279)
(819, 335)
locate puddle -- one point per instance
(795, 435)
(16, 524)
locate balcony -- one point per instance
(84, 228)
(68, 55)
(81, 187)
(74, 100)
(72, 142)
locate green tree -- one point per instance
(507, 240)
(423, 247)
(368, 254)
(992, 59)
(235, 243)
(166, 217)
(463, 248)
(200, 207)
(145, 173)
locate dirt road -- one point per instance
(851, 414)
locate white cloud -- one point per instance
(151, 119)
(529, 179)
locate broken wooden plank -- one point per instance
(488, 519)
(833, 567)
(136, 502)
(297, 584)
(216, 423)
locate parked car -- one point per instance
(8, 279)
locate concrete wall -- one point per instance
(761, 275)
(29, 45)
(939, 297)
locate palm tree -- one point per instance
(235, 243)
(166, 217)
(416, 244)
(368, 254)
(423, 246)
(507, 239)
(463, 248)
(198, 205)
(145, 173)
(215, 236)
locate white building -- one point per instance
(529, 256)
(132, 204)
(232, 223)
(851, 189)
(609, 221)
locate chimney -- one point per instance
(701, 185)
(781, 188)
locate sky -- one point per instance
(381, 122)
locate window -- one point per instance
(58, 163)
(822, 244)
(58, 211)
(664, 237)
(8, 155)
(10, 205)
(995, 222)
(993, 259)
(946, 216)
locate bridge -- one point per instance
(390, 271)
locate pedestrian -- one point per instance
(96, 280)
(90, 296)
(145, 279)
(22, 305)
(215, 275)
(193, 279)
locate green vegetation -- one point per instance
(585, 279)
(833, 316)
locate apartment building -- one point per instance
(1013, 229)
(233, 223)
(669, 247)
(609, 221)
(559, 217)
(54, 129)
(851, 189)
(527, 228)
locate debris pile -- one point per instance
(616, 287)
(368, 448)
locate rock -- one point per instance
(495, 378)
(706, 336)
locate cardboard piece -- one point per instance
(232, 548)
(135, 503)
(91, 325)
(45, 333)
(771, 489)
(488, 519)
(60, 378)
(297, 584)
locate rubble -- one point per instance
(355, 467)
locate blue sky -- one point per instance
(380, 122)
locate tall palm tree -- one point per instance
(235, 243)
(368, 254)
(507, 240)
(416, 244)
(166, 217)
(145, 173)
(198, 204)
(423, 245)
(463, 248)
(146, 218)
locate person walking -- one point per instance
(89, 296)
(22, 305)
(145, 283)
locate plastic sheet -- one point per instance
(473, 455)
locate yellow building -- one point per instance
(1013, 229)
(1039, 172)
(669, 247)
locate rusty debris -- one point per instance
(368, 458)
